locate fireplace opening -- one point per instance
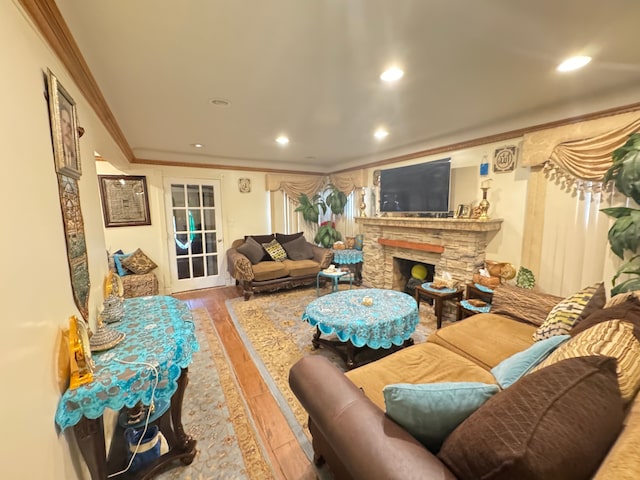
(403, 279)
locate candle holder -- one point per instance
(483, 206)
(363, 205)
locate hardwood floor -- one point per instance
(287, 458)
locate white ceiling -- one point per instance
(310, 69)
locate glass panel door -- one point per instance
(193, 214)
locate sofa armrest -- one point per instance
(239, 266)
(324, 256)
(367, 442)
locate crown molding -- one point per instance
(48, 19)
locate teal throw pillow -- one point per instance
(508, 371)
(117, 261)
(431, 411)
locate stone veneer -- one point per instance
(463, 243)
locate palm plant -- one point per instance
(624, 234)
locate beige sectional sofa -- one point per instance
(256, 271)
(528, 439)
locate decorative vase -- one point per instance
(484, 205)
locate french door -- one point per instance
(194, 222)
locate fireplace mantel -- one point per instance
(465, 224)
(454, 245)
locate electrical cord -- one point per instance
(146, 423)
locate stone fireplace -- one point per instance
(456, 246)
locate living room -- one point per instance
(39, 294)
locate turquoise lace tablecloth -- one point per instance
(391, 319)
(347, 256)
(159, 331)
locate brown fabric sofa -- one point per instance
(352, 433)
(268, 275)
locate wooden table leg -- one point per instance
(437, 308)
(90, 439)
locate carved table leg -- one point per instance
(90, 439)
(314, 340)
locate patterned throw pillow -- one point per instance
(522, 304)
(139, 263)
(275, 250)
(615, 339)
(568, 312)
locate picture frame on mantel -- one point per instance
(125, 201)
(463, 211)
(63, 118)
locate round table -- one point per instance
(386, 324)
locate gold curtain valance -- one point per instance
(295, 185)
(347, 182)
(586, 159)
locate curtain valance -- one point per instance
(295, 185)
(586, 159)
(347, 182)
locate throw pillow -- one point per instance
(298, 249)
(557, 423)
(622, 297)
(511, 369)
(275, 250)
(522, 304)
(283, 238)
(263, 239)
(628, 311)
(252, 250)
(615, 339)
(139, 263)
(117, 261)
(565, 314)
(430, 412)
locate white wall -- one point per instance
(242, 213)
(36, 288)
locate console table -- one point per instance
(159, 331)
(350, 258)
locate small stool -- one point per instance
(438, 297)
(335, 280)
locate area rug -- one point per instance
(214, 414)
(272, 329)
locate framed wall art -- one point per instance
(504, 159)
(125, 202)
(63, 118)
(463, 211)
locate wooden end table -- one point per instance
(438, 297)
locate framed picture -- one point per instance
(63, 118)
(463, 211)
(504, 159)
(125, 202)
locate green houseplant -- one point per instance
(332, 200)
(624, 234)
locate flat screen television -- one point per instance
(420, 188)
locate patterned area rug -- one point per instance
(214, 414)
(276, 337)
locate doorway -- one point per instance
(194, 224)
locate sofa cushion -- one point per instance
(628, 310)
(567, 312)
(556, 423)
(298, 249)
(287, 237)
(138, 263)
(275, 250)
(269, 271)
(615, 339)
(298, 268)
(252, 250)
(431, 411)
(511, 369)
(423, 363)
(263, 239)
(522, 304)
(507, 337)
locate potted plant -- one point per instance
(334, 201)
(624, 234)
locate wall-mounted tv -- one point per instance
(423, 188)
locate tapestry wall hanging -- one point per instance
(65, 134)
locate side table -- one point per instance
(335, 280)
(438, 296)
(349, 258)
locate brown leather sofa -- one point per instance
(353, 435)
(268, 275)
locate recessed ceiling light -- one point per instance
(220, 102)
(391, 74)
(380, 133)
(282, 140)
(197, 145)
(573, 63)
